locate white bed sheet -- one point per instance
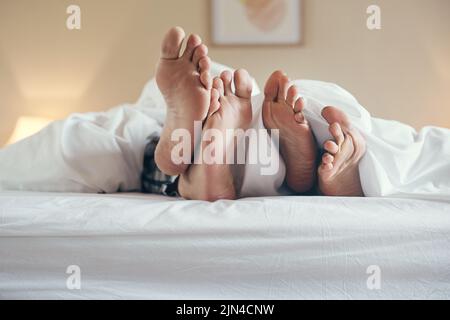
(151, 247)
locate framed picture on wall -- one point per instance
(256, 22)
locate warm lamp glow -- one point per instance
(27, 126)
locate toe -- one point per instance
(243, 84)
(352, 142)
(333, 114)
(299, 118)
(271, 88)
(226, 77)
(331, 147)
(292, 95)
(327, 159)
(204, 64)
(336, 131)
(200, 52)
(283, 87)
(193, 42)
(299, 105)
(218, 85)
(215, 105)
(205, 78)
(171, 45)
(326, 166)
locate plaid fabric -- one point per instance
(152, 179)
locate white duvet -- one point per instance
(103, 152)
(145, 246)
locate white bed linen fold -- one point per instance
(103, 152)
(400, 162)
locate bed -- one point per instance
(134, 246)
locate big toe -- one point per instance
(272, 86)
(334, 115)
(243, 83)
(171, 45)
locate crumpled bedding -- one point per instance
(400, 162)
(103, 152)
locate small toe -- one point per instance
(292, 95)
(172, 43)
(227, 77)
(215, 105)
(218, 85)
(331, 147)
(200, 52)
(299, 118)
(193, 42)
(327, 158)
(337, 133)
(204, 64)
(243, 83)
(205, 78)
(327, 166)
(299, 105)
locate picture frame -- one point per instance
(256, 22)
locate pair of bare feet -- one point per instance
(192, 95)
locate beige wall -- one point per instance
(401, 72)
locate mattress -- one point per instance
(133, 246)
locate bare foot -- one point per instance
(339, 172)
(282, 109)
(185, 83)
(229, 110)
